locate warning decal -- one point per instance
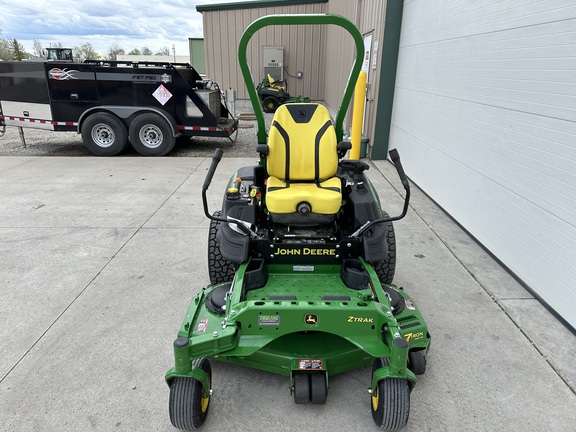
(162, 94)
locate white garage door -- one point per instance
(485, 120)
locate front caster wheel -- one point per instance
(189, 400)
(391, 401)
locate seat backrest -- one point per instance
(275, 84)
(302, 144)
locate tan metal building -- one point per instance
(483, 113)
(322, 54)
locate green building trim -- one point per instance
(197, 54)
(390, 49)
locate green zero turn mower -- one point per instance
(301, 260)
(272, 94)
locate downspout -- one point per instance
(388, 65)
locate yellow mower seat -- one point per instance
(302, 161)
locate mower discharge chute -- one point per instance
(301, 261)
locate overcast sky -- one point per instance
(103, 23)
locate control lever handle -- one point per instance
(215, 161)
(396, 159)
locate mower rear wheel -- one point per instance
(386, 269)
(219, 268)
(391, 401)
(270, 104)
(318, 388)
(301, 388)
(189, 400)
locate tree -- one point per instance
(165, 51)
(84, 52)
(146, 51)
(135, 51)
(114, 52)
(38, 48)
(18, 50)
(5, 52)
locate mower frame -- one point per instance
(306, 309)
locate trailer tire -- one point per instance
(151, 135)
(104, 134)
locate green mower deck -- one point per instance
(304, 314)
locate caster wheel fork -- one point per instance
(189, 400)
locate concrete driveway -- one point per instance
(100, 258)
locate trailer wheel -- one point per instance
(151, 135)
(386, 269)
(104, 134)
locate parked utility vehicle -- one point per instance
(113, 103)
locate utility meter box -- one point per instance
(274, 62)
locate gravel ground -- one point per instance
(49, 143)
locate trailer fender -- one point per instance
(126, 112)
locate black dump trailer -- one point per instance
(114, 103)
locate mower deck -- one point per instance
(304, 312)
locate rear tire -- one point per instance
(387, 268)
(390, 402)
(104, 134)
(189, 401)
(151, 135)
(270, 104)
(219, 268)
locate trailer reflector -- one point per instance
(198, 128)
(18, 121)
